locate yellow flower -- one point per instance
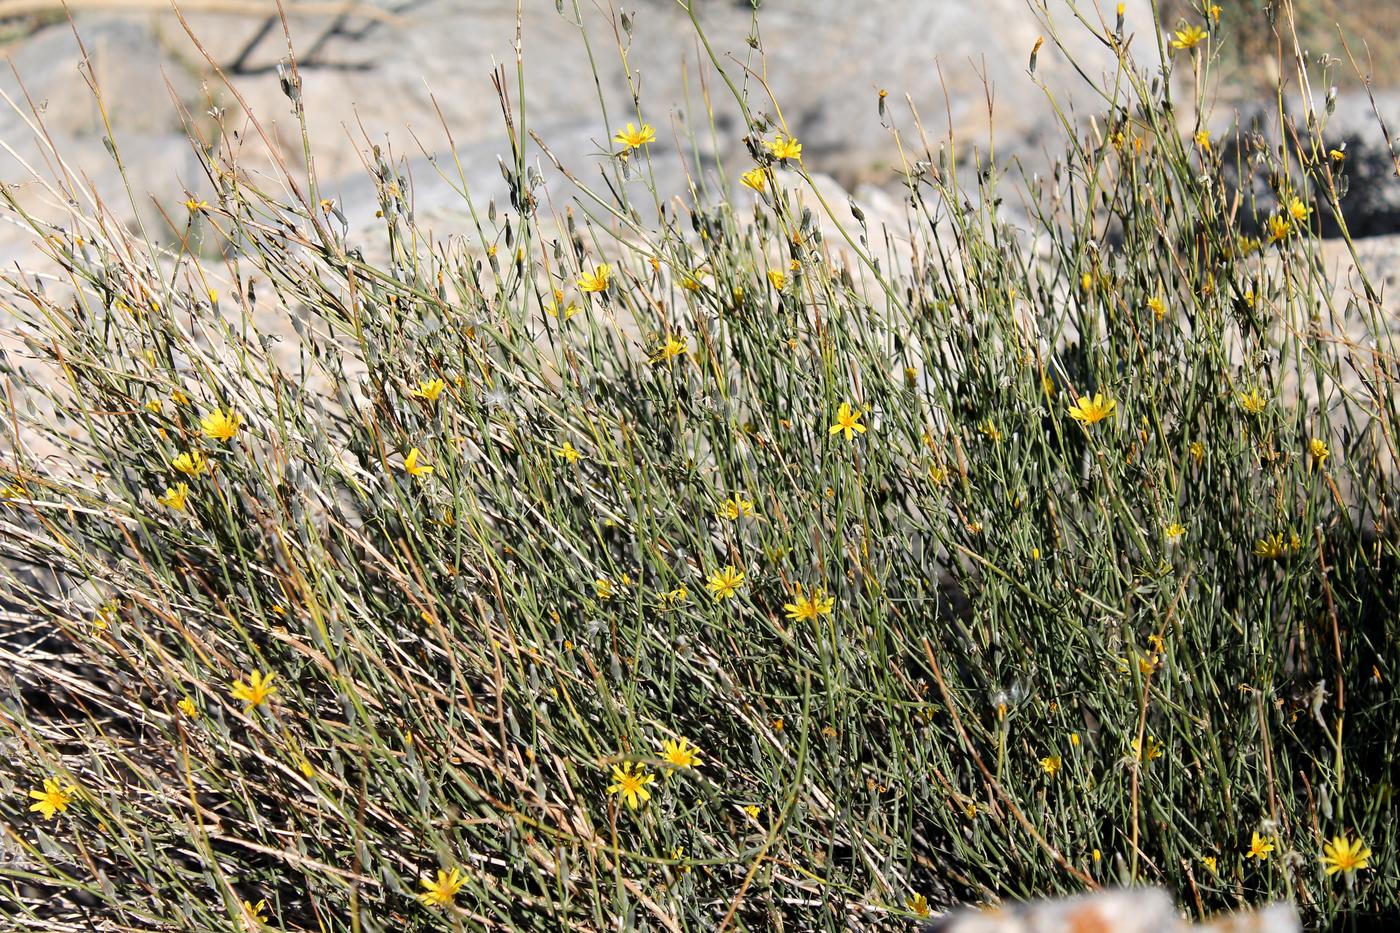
(1298, 210)
(413, 468)
(1175, 530)
(188, 707)
(785, 147)
(1050, 765)
(1345, 854)
(195, 204)
(777, 279)
(1152, 752)
(672, 598)
(175, 496)
(554, 310)
(440, 892)
(53, 799)
(429, 390)
(191, 463)
(220, 425)
(1317, 449)
(1189, 37)
(153, 406)
(752, 810)
(634, 138)
(604, 588)
(917, 905)
(989, 430)
(1157, 306)
(1273, 547)
(1209, 862)
(597, 280)
(1259, 848)
(1092, 410)
(809, 606)
(725, 583)
(568, 452)
(680, 753)
(179, 398)
(848, 421)
(254, 915)
(1279, 228)
(255, 690)
(735, 506)
(630, 783)
(1202, 138)
(1252, 402)
(107, 613)
(1213, 11)
(672, 348)
(1197, 451)
(755, 178)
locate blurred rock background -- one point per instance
(403, 73)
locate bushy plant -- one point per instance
(704, 563)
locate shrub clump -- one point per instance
(735, 569)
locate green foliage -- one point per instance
(454, 684)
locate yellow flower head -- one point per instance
(1298, 210)
(188, 707)
(429, 390)
(847, 422)
(785, 147)
(679, 753)
(255, 690)
(632, 137)
(254, 915)
(918, 905)
(191, 463)
(442, 890)
(809, 606)
(1151, 752)
(1280, 228)
(736, 506)
(630, 784)
(220, 425)
(1209, 862)
(1092, 410)
(1345, 854)
(1158, 307)
(1253, 402)
(569, 452)
(1050, 765)
(725, 583)
(1274, 547)
(597, 280)
(53, 799)
(1259, 848)
(559, 309)
(413, 468)
(1203, 140)
(175, 497)
(672, 348)
(1175, 530)
(777, 279)
(604, 588)
(195, 204)
(1188, 37)
(1317, 449)
(755, 178)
